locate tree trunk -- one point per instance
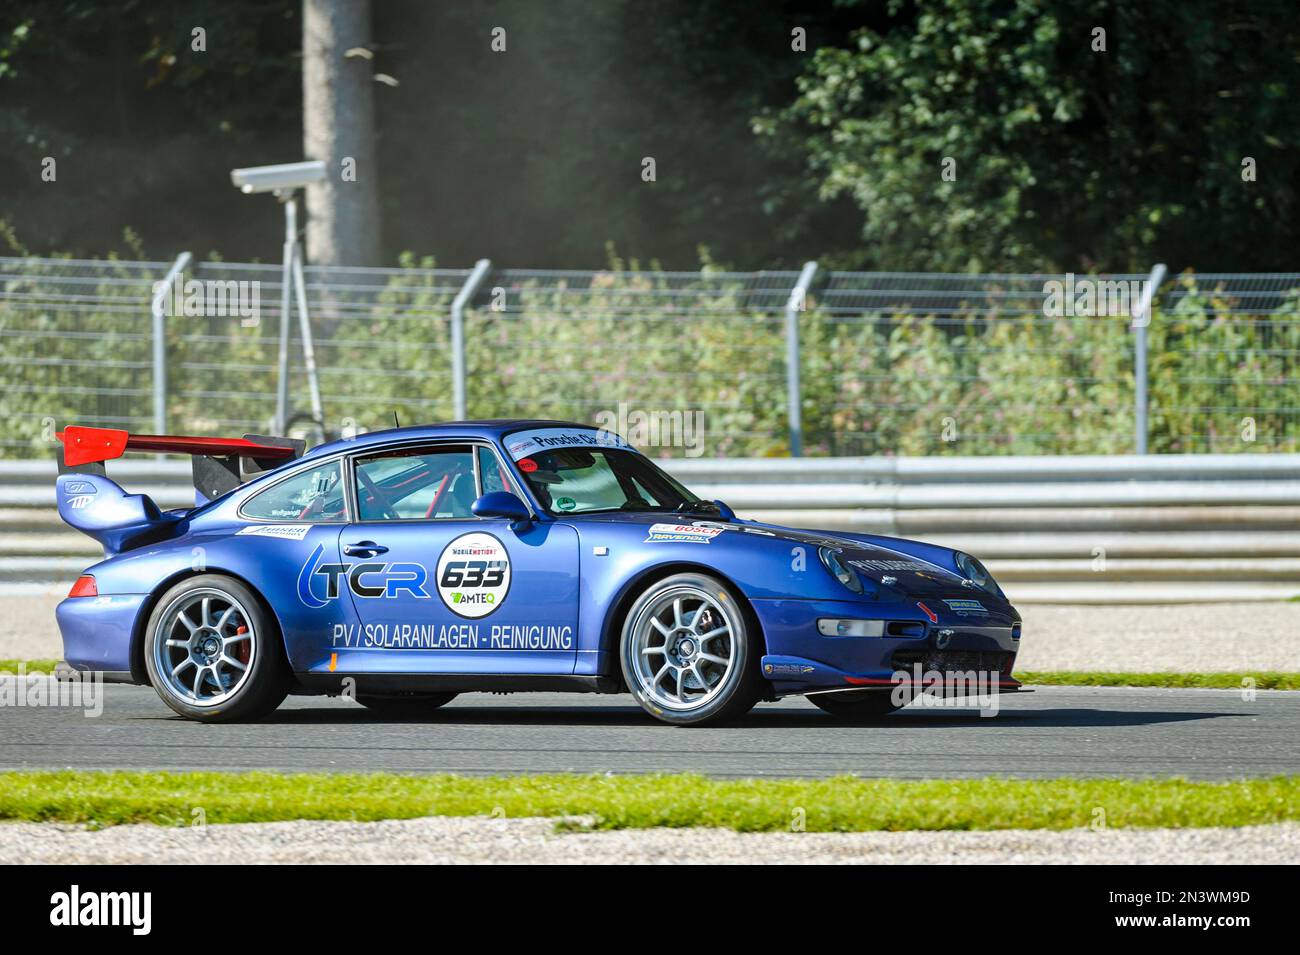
(338, 120)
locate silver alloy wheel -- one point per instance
(204, 647)
(683, 648)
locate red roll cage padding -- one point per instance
(437, 496)
(88, 445)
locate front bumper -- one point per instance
(800, 659)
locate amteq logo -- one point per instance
(73, 908)
(369, 579)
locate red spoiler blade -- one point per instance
(83, 445)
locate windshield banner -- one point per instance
(523, 443)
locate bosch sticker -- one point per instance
(681, 534)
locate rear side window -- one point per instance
(314, 496)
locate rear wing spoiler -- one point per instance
(219, 464)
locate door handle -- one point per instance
(364, 549)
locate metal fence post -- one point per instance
(286, 304)
(466, 295)
(1141, 321)
(158, 312)
(797, 302)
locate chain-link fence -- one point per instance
(889, 363)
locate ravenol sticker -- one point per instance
(473, 575)
(292, 532)
(966, 606)
(524, 443)
(681, 534)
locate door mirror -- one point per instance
(501, 504)
(726, 513)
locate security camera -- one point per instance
(285, 177)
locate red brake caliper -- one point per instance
(241, 648)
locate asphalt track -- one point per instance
(1054, 731)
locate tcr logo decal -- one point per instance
(320, 583)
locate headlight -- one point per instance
(977, 574)
(840, 570)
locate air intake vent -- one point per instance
(905, 628)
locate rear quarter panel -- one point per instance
(269, 565)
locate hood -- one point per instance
(885, 566)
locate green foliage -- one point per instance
(1066, 156)
(969, 381)
(842, 804)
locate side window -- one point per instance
(489, 469)
(415, 484)
(314, 496)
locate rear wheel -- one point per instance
(862, 705)
(213, 653)
(412, 705)
(688, 653)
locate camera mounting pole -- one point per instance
(284, 181)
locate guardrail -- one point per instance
(1167, 529)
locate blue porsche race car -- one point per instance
(403, 567)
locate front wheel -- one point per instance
(213, 653)
(861, 705)
(688, 654)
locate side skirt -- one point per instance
(333, 684)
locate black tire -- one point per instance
(862, 705)
(405, 705)
(735, 691)
(255, 688)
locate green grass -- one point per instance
(33, 666)
(842, 804)
(1264, 679)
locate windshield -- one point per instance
(584, 481)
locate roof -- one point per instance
(490, 428)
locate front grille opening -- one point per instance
(905, 628)
(945, 661)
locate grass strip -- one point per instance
(1264, 679)
(33, 666)
(842, 804)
